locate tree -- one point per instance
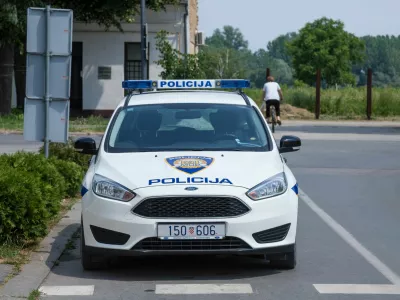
(383, 56)
(223, 62)
(209, 63)
(324, 44)
(175, 64)
(8, 29)
(229, 37)
(278, 47)
(13, 28)
(261, 60)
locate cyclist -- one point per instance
(272, 95)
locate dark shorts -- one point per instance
(276, 104)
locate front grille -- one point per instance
(191, 207)
(155, 244)
(106, 236)
(272, 235)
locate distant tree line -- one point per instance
(294, 57)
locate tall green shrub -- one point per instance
(23, 205)
(52, 183)
(67, 152)
(72, 173)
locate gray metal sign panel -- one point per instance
(59, 80)
(61, 31)
(60, 38)
(61, 21)
(36, 30)
(34, 126)
(35, 76)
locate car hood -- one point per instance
(144, 169)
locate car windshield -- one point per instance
(183, 126)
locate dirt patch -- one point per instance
(289, 112)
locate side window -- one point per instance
(117, 127)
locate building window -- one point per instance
(133, 62)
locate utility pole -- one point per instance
(318, 95)
(369, 94)
(143, 30)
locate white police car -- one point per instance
(186, 169)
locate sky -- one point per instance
(261, 21)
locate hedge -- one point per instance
(72, 174)
(31, 190)
(67, 152)
(23, 212)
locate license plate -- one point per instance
(191, 231)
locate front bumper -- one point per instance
(270, 252)
(129, 230)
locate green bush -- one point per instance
(31, 190)
(23, 205)
(67, 152)
(72, 173)
(52, 183)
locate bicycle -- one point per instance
(273, 118)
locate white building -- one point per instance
(102, 59)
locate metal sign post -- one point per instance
(47, 85)
(48, 75)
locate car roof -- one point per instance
(187, 96)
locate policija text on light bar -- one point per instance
(186, 84)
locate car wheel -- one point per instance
(287, 261)
(88, 260)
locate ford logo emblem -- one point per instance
(191, 188)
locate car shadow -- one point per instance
(164, 268)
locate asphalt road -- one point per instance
(348, 235)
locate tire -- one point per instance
(89, 261)
(288, 261)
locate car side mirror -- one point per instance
(86, 146)
(289, 144)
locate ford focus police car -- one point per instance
(186, 167)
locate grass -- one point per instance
(18, 254)
(34, 295)
(15, 122)
(342, 104)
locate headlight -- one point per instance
(271, 187)
(107, 188)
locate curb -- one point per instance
(43, 259)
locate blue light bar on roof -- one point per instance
(187, 84)
(138, 84)
(233, 83)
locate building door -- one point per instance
(133, 62)
(76, 77)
